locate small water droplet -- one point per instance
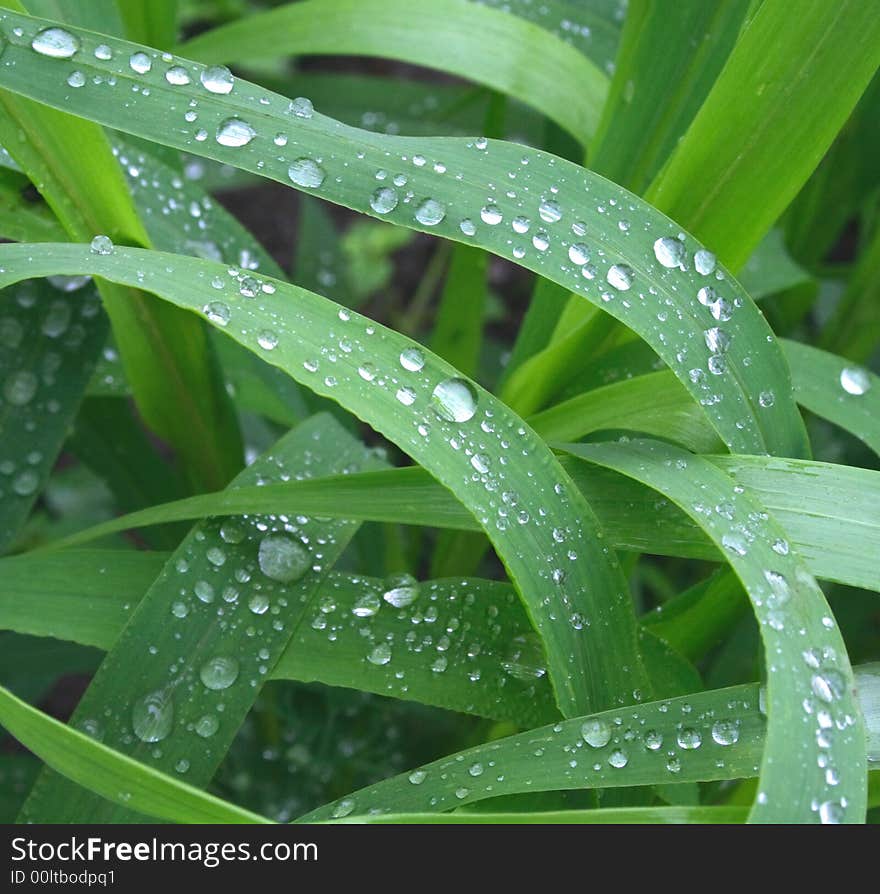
(491, 214)
(177, 75)
(217, 312)
(549, 211)
(412, 359)
(207, 725)
(725, 732)
(343, 808)
(618, 759)
(704, 262)
(267, 340)
(366, 606)
(689, 739)
(301, 107)
(76, 79)
(402, 590)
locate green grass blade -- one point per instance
(788, 86)
(837, 390)
(656, 404)
(153, 22)
(838, 538)
(49, 342)
(593, 28)
(476, 654)
(612, 815)
(576, 590)
(199, 656)
(556, 758)
(666, 66)
(854, 328)
(111, 774)
(97, 15)
(162, 350)
(450, 181)
(22, 220)
(526, 61)
(809, 679)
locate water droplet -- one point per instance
(301, 107)
(153, 716)
(596, 733)
(475, 769)
(653, 740)
(217, 312)
(20, 387)
(306, 172)
(491, 214)
(267, 340)
(704, 262)
(521, 225)
(207, 725)
(766, 399)
(140, 63)
(179, 610)
(620, 277)
(689, 739)
(177, 75)
(417, 777)
(204, 591)
(259, 603)
(578, 254)
(103, 52)
(217, 79)
(831, 813)
(669, 252)
(25, 483)
(380, 655)
(717, 340)
(430, 212)
(828, 685)
(549, 211)
(343, 808)
(725, 732)
(412, 359)
(76, 79)
(854, 380)
(182, 766)
(402, 590)
(480, 462)
(283, 559)
(384, 200)
(55, 42)
(618, 759)
(406, 396)
(101, 245)
(366, 606)
(467, 227)
(454, 400)
(233, 132)
(219, 672)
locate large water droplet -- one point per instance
(283, 559)
(55, 42)
(549, 211)
(20, 387)
(618, 759)
(366, 606)
(140, 63)
(854, 380)
(402, 590)
(101, 245)
(454, 400)
(177, 75)
(412, 359)
(301, 107)
(233, 132)
(669, 252)
(217, 312)
(689, 739)
(306, 172)
(384, 200)
(704, 262)
(725, 732)
(430, 212)
(217, 79)
(596, 733)
(620, 276)
(380, 655)
(219, 672)
(153, 716)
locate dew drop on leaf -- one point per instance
(56, 43)
(233, 132)
(140, 63)
(430, 212)
(217, 79)
(854, 380)
(283, 559)
(596, 733)
(454, 400)
(219, 672)
(306, 172)
(153, 716)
